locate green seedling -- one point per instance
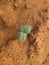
(21, 36)
(26, 29)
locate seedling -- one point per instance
(24, 31)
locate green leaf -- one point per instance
(21, 36)
(26, 29)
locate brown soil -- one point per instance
(14, 14)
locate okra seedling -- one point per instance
(24, 31)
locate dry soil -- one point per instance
(13, 15)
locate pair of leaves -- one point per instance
(24, 31)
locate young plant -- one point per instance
(24, 31)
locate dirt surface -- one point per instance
(14, 14)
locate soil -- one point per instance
(13, 15)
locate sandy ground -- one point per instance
(14, 14)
